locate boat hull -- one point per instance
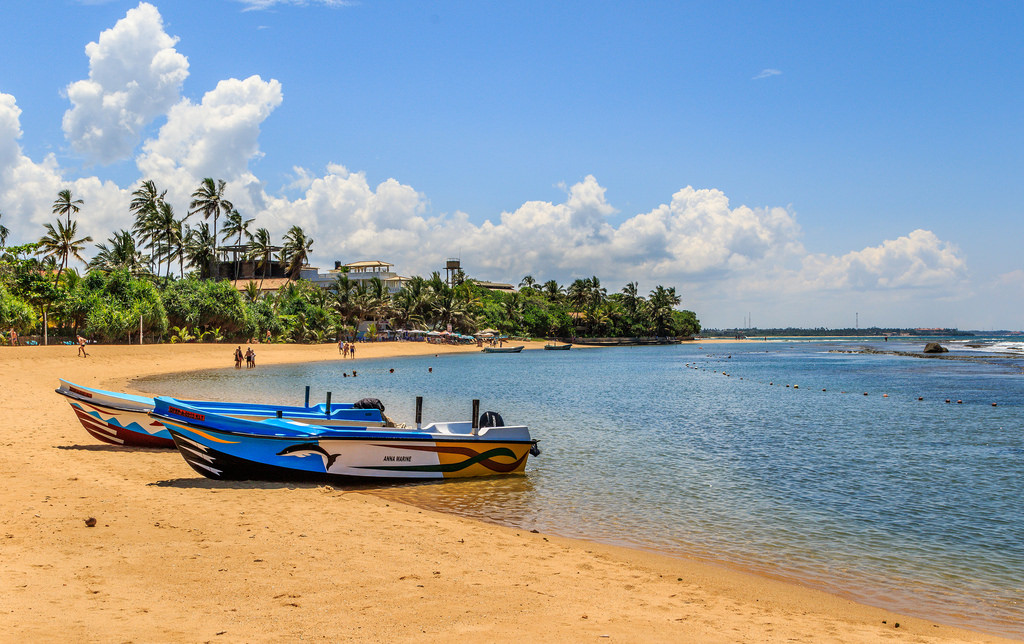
(502, 349)
(121, 426)
(123, 419)
(557, 347)
(220, 447)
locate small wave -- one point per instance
(1005, 347)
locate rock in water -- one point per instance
(935, 347)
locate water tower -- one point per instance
(451, 269)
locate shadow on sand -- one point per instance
(102, 447)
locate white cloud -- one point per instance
(216, 138)
(135, 75)
(915, 261)
(767, 73)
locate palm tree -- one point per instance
(199, 248)
(528, 282)
(3, 233)
(662, 301)
(170, 240)
(260, 250)
(145, 205)
(553, 290)
(296, 251)
(66, 206)
(236, 226)
(122, 253)
(208, 200)
(60, 243)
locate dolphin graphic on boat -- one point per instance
(308, 449)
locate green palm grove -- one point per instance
(158, 271)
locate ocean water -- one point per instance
(845, 471)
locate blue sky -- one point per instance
(803, 162)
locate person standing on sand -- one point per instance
(344, 350)
(238, 357)
(81, 347)
(13, 335)
(341, 346)
(250, 358)
(352, 350)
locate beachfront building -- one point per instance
(360, 273)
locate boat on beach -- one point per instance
(123, 419)
(553, 346)
(503, 349)
(276, 449)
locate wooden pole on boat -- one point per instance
(307, 396)
(476, 416)
(279, 414)
(328, 403)
(419, 411)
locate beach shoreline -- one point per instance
(175, 557)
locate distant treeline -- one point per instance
(823, 331)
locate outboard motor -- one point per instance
(369, 403)
(491, 419)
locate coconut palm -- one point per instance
(296, 251)
(65, 206)
(199, 248)
(260, 250)
(60, 243)
(236, 225)
(528, 282)
(208, 200)
(144, 205)
(122, 253)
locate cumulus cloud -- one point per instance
(135, 75)
(917, 260)
(767, 73)
(215, 138)
(28, 188)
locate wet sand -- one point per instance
(176, 557)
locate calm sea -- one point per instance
(858, 477)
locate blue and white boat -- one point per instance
(123, 419)
(280, 449)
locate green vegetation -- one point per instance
(130, 286)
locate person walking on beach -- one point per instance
(344, 350)
(341, 347)
(81, 347)
(238, 357)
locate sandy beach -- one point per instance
(175, 557)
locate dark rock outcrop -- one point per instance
(935, 347)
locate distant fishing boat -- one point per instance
(503, 349)
(222, 447)
(552, 346)
(123, 419)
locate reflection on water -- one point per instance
(769, 455)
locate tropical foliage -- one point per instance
(154, 278)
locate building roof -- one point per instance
(269, 284)
(495, 286)
(371, 263)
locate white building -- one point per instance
(359, 272)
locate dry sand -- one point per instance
(175, 557)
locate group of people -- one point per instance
(347, 349)
(249, 355)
